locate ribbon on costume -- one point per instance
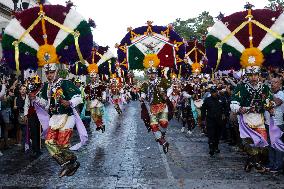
(77, 67)
(179, 73)
(16, 43)
(273, 33)
(228, 37)
(81, 130)
(17, 54)
(275, 135)
(101, 56)
(44, 117)
(194, 111)
(105, 115)
(187, 54)
(247, 132)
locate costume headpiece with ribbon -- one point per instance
(151, 62)
(151, 47)
(93, 70)
(46, 35)
(250, 40)
(195, 56)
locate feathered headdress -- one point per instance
(151, 47)
(249, 39)
(47, 34)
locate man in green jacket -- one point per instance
(57, 96)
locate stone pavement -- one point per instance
(126, 156)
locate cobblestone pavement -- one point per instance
(126, 156)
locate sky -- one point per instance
(112, 17)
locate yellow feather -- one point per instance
(93, 68)
(151, 60)
(252, 57)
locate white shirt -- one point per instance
(278, 111)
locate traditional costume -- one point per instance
(151, 47)
(255, 99)
(96, 96)
(155, 91)
(44, 36)
(174, 91)
(115, 93)
(62, 119)
(188, 109)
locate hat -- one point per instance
(78, 80)
(152, 70)
(252, 60)
(50, 67)
(196, 68)
(63, 36)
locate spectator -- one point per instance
(2, 93)
(22, 137)
(6, 115)
(276, 156)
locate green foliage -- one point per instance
(275, 4)
(194, 27)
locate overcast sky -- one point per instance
(114, 16)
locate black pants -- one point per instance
(80, 108)
(4, 131)
(214, 129)
(35, 130)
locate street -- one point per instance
(127, 156)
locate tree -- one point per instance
(194, 27)
(275, 5)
